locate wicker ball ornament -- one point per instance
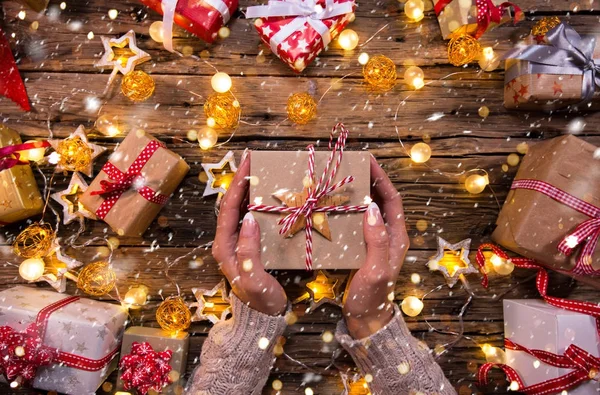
(75, 154)
(380, 72)
(463, 49)
(544, 25)
(137, 86)
(301, 108)
(173, 315)
(35, 241)
(222, 110)
(97, 279)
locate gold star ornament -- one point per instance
(69, 200)
(75, 153)
(452, 260)
(212, 304)
(323, 288)
(121, 54)
(219, 174)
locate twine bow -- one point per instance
(487, 13)
(585, 367)
(9, 156)
(304, 11)
(324, 186)
(145, 369)
(568, 53)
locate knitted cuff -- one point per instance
(252, 324)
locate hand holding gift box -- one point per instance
(298, 30)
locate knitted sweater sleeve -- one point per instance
(238, 354)
(398, 363)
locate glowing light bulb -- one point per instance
(207, 138)
(108, 126)
(32, 269)
(211, 123)
(420, 153)
(488, 60)
(221, 82)
(415, 77)
(475, 183)
(33, 155)
(412, 306)
(112, 13)
(502, 266)
(414, 9)
(136, 297)
(348, 39)
(156, 31)
(363, 58)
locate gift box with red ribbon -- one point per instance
(473, 17)
(203, 18)
(298, 30)
(153, 360)
(57, 342)
(552, 212)
(134, 184)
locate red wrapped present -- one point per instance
(203, 18)
(298, 30)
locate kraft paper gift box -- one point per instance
(533, 224)
(536, 325)
(279, 172)
(531, 85)
(20, 197)
(85, 328)
(160, 340)
(135, 209)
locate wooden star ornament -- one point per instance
(219, 175)
(69, 200)
(122, 54)
(323, 288)
(58, 266)
(212, 304)
(79, 133)
(452, 260)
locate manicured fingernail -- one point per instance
(244, 156)
(248, 225)
(374, 215)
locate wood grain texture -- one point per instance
(57, 63)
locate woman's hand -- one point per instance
(369, 301)
(239, 254)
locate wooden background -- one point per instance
(57, 62)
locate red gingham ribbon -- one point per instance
(36, 354)
(9, 155)
(122, 182)
(324, 186)
(588, 232)
(145, 369)
(585, 367)
(487, 12)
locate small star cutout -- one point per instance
(69, 200)
(216, 309)
(122, 54)
(302, 45)
(557, 88)
(67, 327)
(81, 348)
(267, 31)
(219, 174)
(323, 288)
(452, 260)
(524, 90)
(516, 98)
(102, 333)
(97, 150)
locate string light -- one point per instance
(414, 9)
(173, 315)
(415, 77)
(502, 266)
(363, 58)
(31, 269)
(221, 82)
(463, 49)
(108, 126)
(493, 354)
(156, 31)
(34, 241)
(97, 278)
(348, 39)
(207, 137)
(476, 183)
(420, 153)
(380, 72)
(301, 108)
(137, 86)
(412, 306)
(34, 154)
(74, 154)
(489, 61)
(222, 110)
(136, 297)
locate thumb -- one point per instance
(376, 237)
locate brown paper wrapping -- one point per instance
(132, 213)
(276, 170)
(36, 5)
(547, 92)
(533, 224)
(461, 14)
(19, 194)
(160, 341)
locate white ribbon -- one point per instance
(305, 11)
(169, 17)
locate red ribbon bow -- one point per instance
(14, 364)
(145, 369)
(123, 181)
(487, 12)
(324, 186)
(9, 156)
(585, 367)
